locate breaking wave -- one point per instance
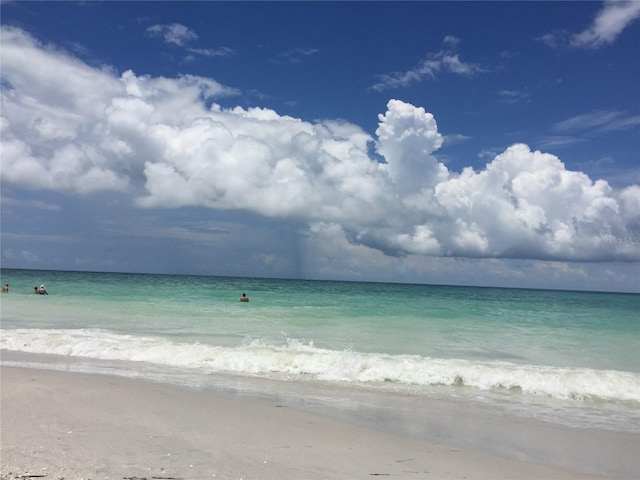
(294, 359)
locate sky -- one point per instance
(458, 143)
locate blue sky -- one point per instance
(476, 143)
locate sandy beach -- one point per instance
(60, 425)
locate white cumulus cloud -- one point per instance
(167, 144)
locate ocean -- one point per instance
(571, 358)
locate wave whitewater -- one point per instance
(299, 360)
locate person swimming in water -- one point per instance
(244, 298)
(42, 290)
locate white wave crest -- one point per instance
(297, 359)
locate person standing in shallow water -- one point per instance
(244, 298)
(5, 288)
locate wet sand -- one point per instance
(73, 425)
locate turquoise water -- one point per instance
(519, 346)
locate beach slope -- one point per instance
(59, 425)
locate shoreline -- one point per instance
(78, 425)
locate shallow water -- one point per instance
(567, 357)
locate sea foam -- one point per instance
(294, 359)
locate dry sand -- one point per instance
(59, 425)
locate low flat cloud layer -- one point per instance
(73, 128)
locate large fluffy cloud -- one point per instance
(70, 127)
